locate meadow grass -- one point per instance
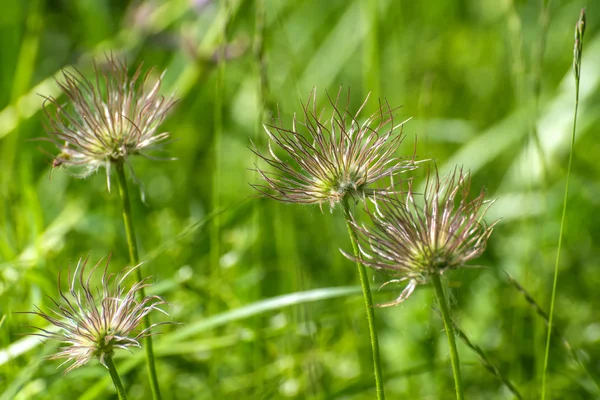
(268, 305)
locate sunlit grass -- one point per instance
(285, 317)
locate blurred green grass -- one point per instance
(464, 70)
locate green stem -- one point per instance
(439, 292)
(371, 46)
(364, 283)
(215, 225)
(108, 361)
(560, 237)
(134, 258)
(537, 86)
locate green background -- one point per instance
(467, 71)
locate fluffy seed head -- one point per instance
(332, 158)
(105, 119)
(413, 242)
(92, 322)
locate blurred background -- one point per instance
(269, 306)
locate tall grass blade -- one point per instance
(577, 53)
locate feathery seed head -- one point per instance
(92, 322)
(333, 158)
(413, 242)
(105, 119)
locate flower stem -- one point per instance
(364, 283)
(134, 258)
(439, 292)
(108, 361)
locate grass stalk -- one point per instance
(134, 259)
(441, 297)
(108, 361)
(364, 283)
(538, 64)
(215, 228)
(486, 361)
(259, 348)
(371, 47)
(555, 331)
(537, 73)
(577, 53)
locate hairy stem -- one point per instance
(108, 361)
(364, 283)
(134, 259)
(439, 292)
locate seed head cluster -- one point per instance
(107, 119)
(93, 322)
(412, 239)
(332, 159)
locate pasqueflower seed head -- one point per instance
(335, 158)
(92, 322)
(412, 242)
(106, 119)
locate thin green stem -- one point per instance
(217, 150)
(540, 312)
(439, 292)
(540, 226)
(127, 219)
(371, 46)
(538, 64)
(108, 361)
(364, 283)
(486, 361)
(257, 215)
(577, 56)
(134, 258)
(560, 239)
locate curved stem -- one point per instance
(364, 283)
(439, 292)
(108, 361)
(134, 258)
